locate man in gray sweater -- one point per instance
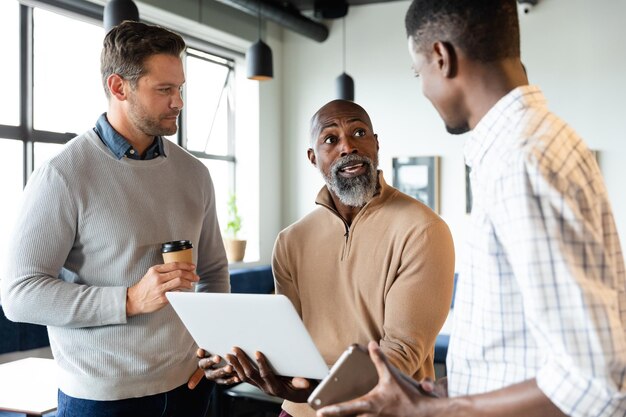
(85, 258)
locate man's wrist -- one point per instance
(130, 308)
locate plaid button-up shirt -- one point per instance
(542, 289)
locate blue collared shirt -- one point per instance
(120, 146)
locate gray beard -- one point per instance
(355, 191)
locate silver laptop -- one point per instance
(266, 323)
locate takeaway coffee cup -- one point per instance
(177, 251)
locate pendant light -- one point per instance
(259, 59)
(116, 11)
(344, 83)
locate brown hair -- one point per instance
(127, 45)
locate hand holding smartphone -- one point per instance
(353, 375)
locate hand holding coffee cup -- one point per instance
(148, 295)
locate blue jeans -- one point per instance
(179, 402)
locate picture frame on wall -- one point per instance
(418, 176)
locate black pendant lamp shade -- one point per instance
(259, 62)
(345, 87)
(259, 57)
(116, 11)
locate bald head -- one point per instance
(330, 112)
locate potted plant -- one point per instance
(235, 247)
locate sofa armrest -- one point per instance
(254, 280)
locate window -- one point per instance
(66, 97)
(67, 88)
(207, 120)
(11, 151)
(207, 97)
(10, 68)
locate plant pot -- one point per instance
(235, 249)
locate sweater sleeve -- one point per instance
(283, 279)
(44, 233)
(418, 300)
(212, 266)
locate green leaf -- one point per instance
(233, 225)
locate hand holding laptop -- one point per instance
(252, 322)
(294, 389)
(239, 368)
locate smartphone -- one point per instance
(353, 375)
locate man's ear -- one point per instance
(447, 59)
(377, 145)
(117, 87)
(311, 154)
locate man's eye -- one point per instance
(359, 133)
(329, 139)
(164, 90)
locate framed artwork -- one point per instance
(468, 191)
(418, 176)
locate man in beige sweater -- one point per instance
(369, 263)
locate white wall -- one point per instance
(573, 49)
(270, 155)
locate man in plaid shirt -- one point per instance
(540, 311)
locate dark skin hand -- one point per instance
(395, 395)
(213, 368)
(293, 389)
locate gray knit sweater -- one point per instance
(90, 227)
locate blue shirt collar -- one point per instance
(120, 146)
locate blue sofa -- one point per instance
(20, 336)
(255, 280)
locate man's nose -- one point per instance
(177, 100)
(348, 146)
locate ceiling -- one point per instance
(289, 13)
(309, 4)
(325, 9)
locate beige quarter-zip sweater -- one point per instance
(386, 277)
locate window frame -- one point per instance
(182, 131)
